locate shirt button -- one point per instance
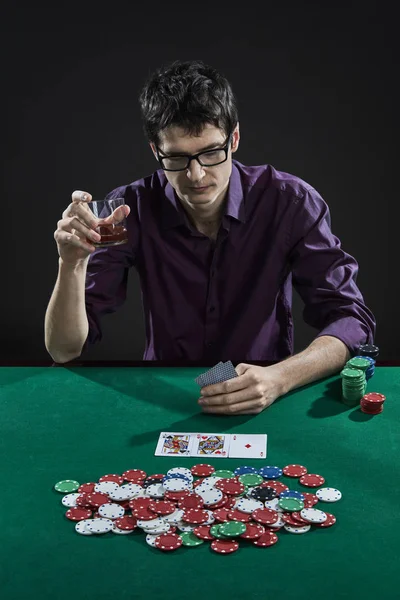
(211, 309)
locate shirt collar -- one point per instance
(173, 213)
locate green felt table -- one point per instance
(83, 422)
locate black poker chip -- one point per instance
(263, 493)
(151, 480)
(368, 350)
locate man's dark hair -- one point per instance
(187, 94)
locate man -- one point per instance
(217, 246)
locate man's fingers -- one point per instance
(233, 398)
(249, 407)
(231, 385)
(118, 215)
(80, 196)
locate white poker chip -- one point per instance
(81, 527)
(183, 526)
(156, 490)
(248, 506)
(181, 471)
(111, 511)
(313, 515)
(151, 540)
(174, 517)
(164, 528)
(279, 523)
(328, 494)
(210, 481)
(126, 492)
(119, 531)
(100, 525)
(273, 504)
(143, 524)
(300, 529)
(70, 500)
(104, 487)
(175, 485)
(211, 496)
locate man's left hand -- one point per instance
(250, 393)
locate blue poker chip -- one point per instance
(270, 472)
(292, 494)
(244, 470)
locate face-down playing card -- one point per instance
(217, 374)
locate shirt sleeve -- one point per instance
(325, 276)
(107, 272)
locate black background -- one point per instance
(315, 86)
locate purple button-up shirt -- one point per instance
(230, 299)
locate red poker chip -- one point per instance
(331, 520)
(155, 476)
(162, 507)
(143, 513)
(230, 486)
(312, 480)
(123, 503)
(134, 475)
(267, 516)
(195, 516)
(83, 500)
(115, 478)
(97, 499)
(176, 496)
(221, 515)
(294, 470)
(136, 503)
(168, 541)
(278, 486)
(78, 514)
(86, 488)
(238, 515)
(230, 502)
(203, 532)
(127, 523)
(369, 411)
(269, 538)
(296, 516)
(197, 482)
(253, 531)
(191, 501)
(289, 520)
(224, 546)
(202, 470)
(374, 397)
(310, 500)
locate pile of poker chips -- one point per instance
(355, 375)
(354, 385)
(247, 506)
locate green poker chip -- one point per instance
(189, 539)
(251, 479)
(67, 485)
(214, 530)
(232, 529)
(291, 504)
(224, 473)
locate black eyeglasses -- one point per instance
(208, 158)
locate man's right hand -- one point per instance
(77, 228)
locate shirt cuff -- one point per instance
(350, 331)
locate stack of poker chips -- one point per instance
(372, 403)
(371, 353)
(354, 385)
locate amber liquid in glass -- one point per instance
(111, 235)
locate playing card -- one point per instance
(174, 444)
(248, 446)
(208, 374)
(217, 374)
(211, 445)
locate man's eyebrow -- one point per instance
(209, 147)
